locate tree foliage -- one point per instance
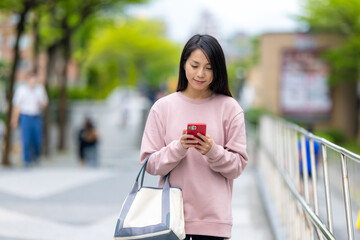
(129, 52)
(342, 18)
(339, 16)
(56, 23)
(4, 72)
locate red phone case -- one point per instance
(194, 128)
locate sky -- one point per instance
(247, 16)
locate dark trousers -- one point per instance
(31, 134)
(198, 237)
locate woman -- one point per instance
(205, 167)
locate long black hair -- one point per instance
(215, 55)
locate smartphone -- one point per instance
(195, 128)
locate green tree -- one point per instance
(22, 8)
(58, 28)
(4, 81)
(237, 67)
(59, 19)
(4, 69)
(131, 52)
(340, 17)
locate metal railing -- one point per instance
(295, 195)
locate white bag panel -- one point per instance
(146, 208)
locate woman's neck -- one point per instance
(197, 95)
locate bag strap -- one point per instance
(143, 169)
(165, 197)
(142, 172)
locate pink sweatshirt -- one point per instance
(206, 180)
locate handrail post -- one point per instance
(327, 187)
(345, 180)
(297, 160)
(296, 179)
(314, 175)
(305, 168)
(314, 180)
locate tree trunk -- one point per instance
(47, 111)
(36, 45)
(358, 103)
(358, 111)
(344, 111)
(62, 103)
(20, 29)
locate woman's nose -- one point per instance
(200, 73)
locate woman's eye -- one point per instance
(194, 66)
(209, 68)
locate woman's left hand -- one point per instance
(205, 144)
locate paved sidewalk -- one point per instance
(249, 217)
(62, 200)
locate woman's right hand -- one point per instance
(188, 140)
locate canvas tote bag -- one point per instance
(151, 213)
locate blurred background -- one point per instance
(296, 59)
(110, 60)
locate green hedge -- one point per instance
(253, 115)
(84, 93)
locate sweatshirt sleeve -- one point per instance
(231, 159)
(164, 158)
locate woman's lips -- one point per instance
(198, 82)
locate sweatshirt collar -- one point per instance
(195, 101)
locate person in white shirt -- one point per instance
(29, 101)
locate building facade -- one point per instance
(291, 80)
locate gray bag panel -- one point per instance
(167, 236)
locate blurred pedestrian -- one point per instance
(308, 156)
(310, 170)
(204, 167)
(29, 100)
(88, 140)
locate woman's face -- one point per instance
(198, 72)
